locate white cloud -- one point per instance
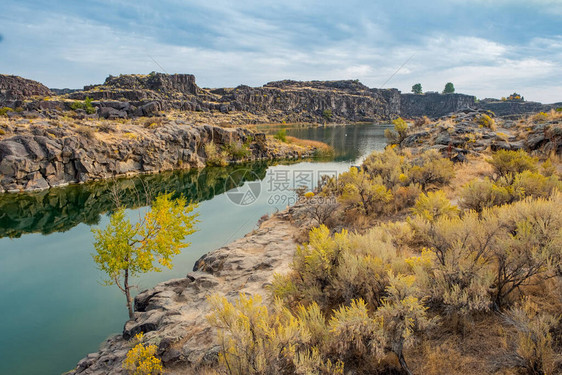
(71, 51)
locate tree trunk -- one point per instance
(128, 295)
(403, 363)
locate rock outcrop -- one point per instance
(172, 315)
(514, 107)
(45, 155)
(14, 89)
(472, 131)
(128, 96)
(135, 95)
(434, 105)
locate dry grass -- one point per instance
(307, 143)
(480, 350)
(477, 167)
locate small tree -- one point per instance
(417, 88)
(124, 250)
(397, 135)
(449, 88)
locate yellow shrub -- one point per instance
(486, 121)
(141, 359)
(506, 161)
(433, 205)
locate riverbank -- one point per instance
(38, 154)
(173, 313)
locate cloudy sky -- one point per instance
(488, 48)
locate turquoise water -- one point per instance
(54, 309)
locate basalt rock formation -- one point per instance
(136, 95)
(470, 132)
(515, 107)
(45, 155)
(14, 90)
(434, 105)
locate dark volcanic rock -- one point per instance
(514, 107)
(434, 105)
(48, 156)
(14, 88)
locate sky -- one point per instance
(487, 48)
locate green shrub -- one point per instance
(548, 168)
(238, 150)
(480, 194)
(387, 164)
(397, 135)
(480, 260)
(532, 184)
(357, 189)
(507, 161)
(455, 268)
(281, 135)
(86, 106)
(142, 360)
(5, 110)
(327, 114)
(534, 345)
(540, 117)
(86, 131)
(434, 205)
(334, 270)
(431, 170)
(405, 196)
(215, 157)
(257, 340)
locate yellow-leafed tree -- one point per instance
(124, 250)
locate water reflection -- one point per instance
(60, 209)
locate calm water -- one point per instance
(53, 308)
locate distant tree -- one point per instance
(417, 88)
(327, 114)
(124, 250)
(449, 88)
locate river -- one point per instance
(54, 308)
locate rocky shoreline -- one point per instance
(43, 155)
(172, 315)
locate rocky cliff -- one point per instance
(135, 95)
(47, 154)
(130, 95)
(14, 89)
(433, 105)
